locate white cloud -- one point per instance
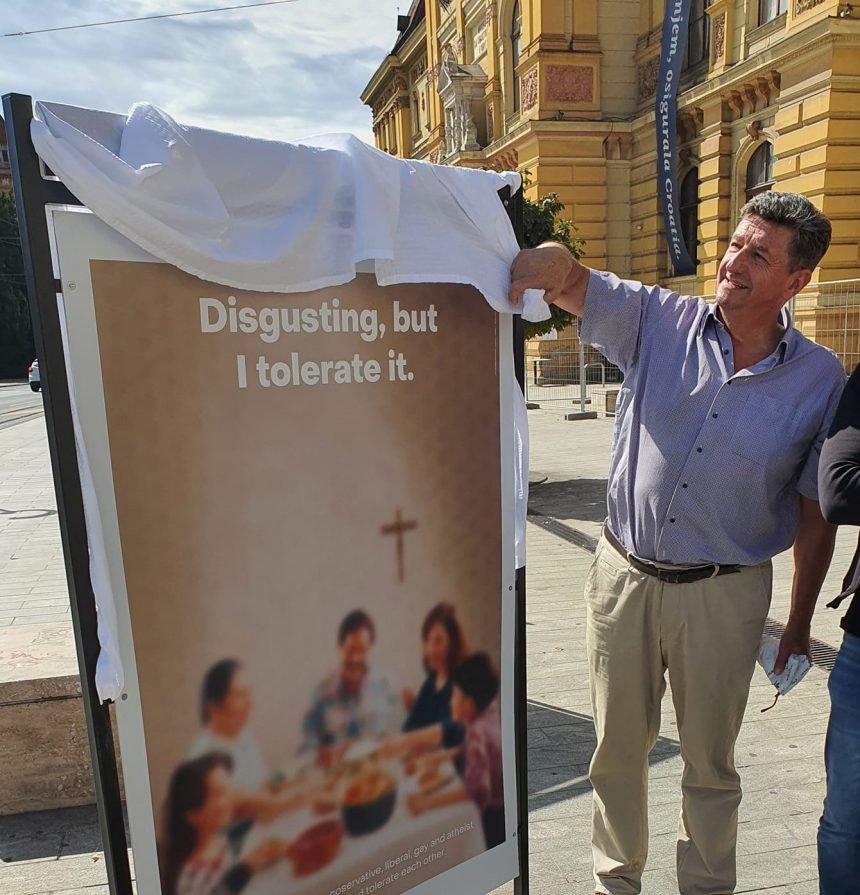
(281, 72)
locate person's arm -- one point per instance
(553, 268)
(813, 548)
(418, 802)
(839, 467)
(423, 738)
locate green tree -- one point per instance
(16, 335)
(542, 222)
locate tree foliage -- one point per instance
(542, 222)
(16, 335)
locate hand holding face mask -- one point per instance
(795, 669)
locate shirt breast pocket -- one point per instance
(765, 430)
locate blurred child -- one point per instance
(197, 856)
(479, 759)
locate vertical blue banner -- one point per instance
(673, 45)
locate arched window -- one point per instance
(516, 34)
(760, 171)
(690, 212)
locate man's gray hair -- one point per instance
(811, 228)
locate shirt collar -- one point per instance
(782, 351)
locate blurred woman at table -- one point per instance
(196, 856)
(444, 649)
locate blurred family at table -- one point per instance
(225, 785)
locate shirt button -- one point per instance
(725, 350)
(714, 415)
(672, 519)
(684, 485)
(698, 450)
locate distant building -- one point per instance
(565, 90)
(5, 170)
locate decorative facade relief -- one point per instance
(689, 123)
(505, 161)
(569, 84)
(805, 5)
(490, 14)
(753, 96)
(529, 89)
(647, 75)
(719, 38)
(491, 124)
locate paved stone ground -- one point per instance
(35, 619)
(779, 753)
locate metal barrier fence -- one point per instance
(829, 313)
(562, 373)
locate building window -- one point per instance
(690, 213)
(768, 10)
(760, 171)
(4, 156)
(516, 34)
(698, 34)
(416, 116)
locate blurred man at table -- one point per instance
(226, 703)
(352, 702)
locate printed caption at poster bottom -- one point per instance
(398, 867)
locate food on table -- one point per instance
(316, 847)
(368, 802)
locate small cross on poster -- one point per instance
(398, 527)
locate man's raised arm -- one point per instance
(553, 268)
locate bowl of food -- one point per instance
(368, 802)
(316, 847)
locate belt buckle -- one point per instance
(669, 576)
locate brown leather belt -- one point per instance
(669, 576)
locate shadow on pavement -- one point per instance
(583, 499)
(561, 743)
(49, 834)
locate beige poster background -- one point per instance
(250, 519)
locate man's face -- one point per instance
(354, 654)
(231, 715)
(756, 271)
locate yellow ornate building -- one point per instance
(769, 97)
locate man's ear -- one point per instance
(799, 280)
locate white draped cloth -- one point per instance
(282, 217)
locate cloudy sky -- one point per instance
(282, 72)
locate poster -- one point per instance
(306, 505)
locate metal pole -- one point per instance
(583, 389)
(514, 205)
(32, 194)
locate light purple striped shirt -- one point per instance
(707, 462)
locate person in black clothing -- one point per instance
(839, 493)
(444, 648)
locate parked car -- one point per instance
(33, 376)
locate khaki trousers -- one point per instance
(706, 635)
